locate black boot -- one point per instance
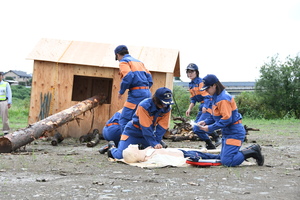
(141, 146)
(163, 144)
(111, 145)
(103, 149)
(216, 138)
(209, 144)
(254, 151)
(109, 154)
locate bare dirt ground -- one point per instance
(74, 171)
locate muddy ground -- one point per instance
(72, 170)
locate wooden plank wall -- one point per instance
(57, 79)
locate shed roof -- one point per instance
(102, 55)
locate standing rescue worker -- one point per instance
(205, 105)
(148, 125)
(5, 103)
(225, 116)
(136, 78)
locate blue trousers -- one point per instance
(201, 134)
(112, 133)
(129, 136)
(230, 155)
(133, 99)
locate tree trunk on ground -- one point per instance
(19, 138)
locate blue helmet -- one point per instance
(192, 66)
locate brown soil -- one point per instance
(74, 171)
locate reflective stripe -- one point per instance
(110, 124)
(234, 142)
(137, 88)
(124, 137)
(238, 122)
(129, 105)
(3, 91)
(136, 126)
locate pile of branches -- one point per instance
(183, 130)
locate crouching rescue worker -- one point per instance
(136, 78)
(225, 116)
(148, 125)
(111, 131)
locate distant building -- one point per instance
(234, 88)
(17, 76)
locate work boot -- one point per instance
(254, 151)
(163, 144)
(141, 146)
(109, 154)
(111, 145)
(216, 138)
(209, 144)
(103, 149)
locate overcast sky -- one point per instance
(229, 38)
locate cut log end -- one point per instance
(5, 145)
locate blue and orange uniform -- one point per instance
(138, 80)
(147, 127)
(205, 101)
(225, 116)
(112, 129)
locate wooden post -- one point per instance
(19, 138)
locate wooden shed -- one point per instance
(72, 71)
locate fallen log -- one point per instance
(19, 138)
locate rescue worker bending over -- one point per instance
(148, 125)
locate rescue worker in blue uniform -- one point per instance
(148, 125)
(205, 110)
(5, 103)
(136, 79)
(225, 116)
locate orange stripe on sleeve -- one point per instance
(124, 137)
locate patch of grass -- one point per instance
(18, 114)
(284, 127)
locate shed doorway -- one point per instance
(85, 87)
